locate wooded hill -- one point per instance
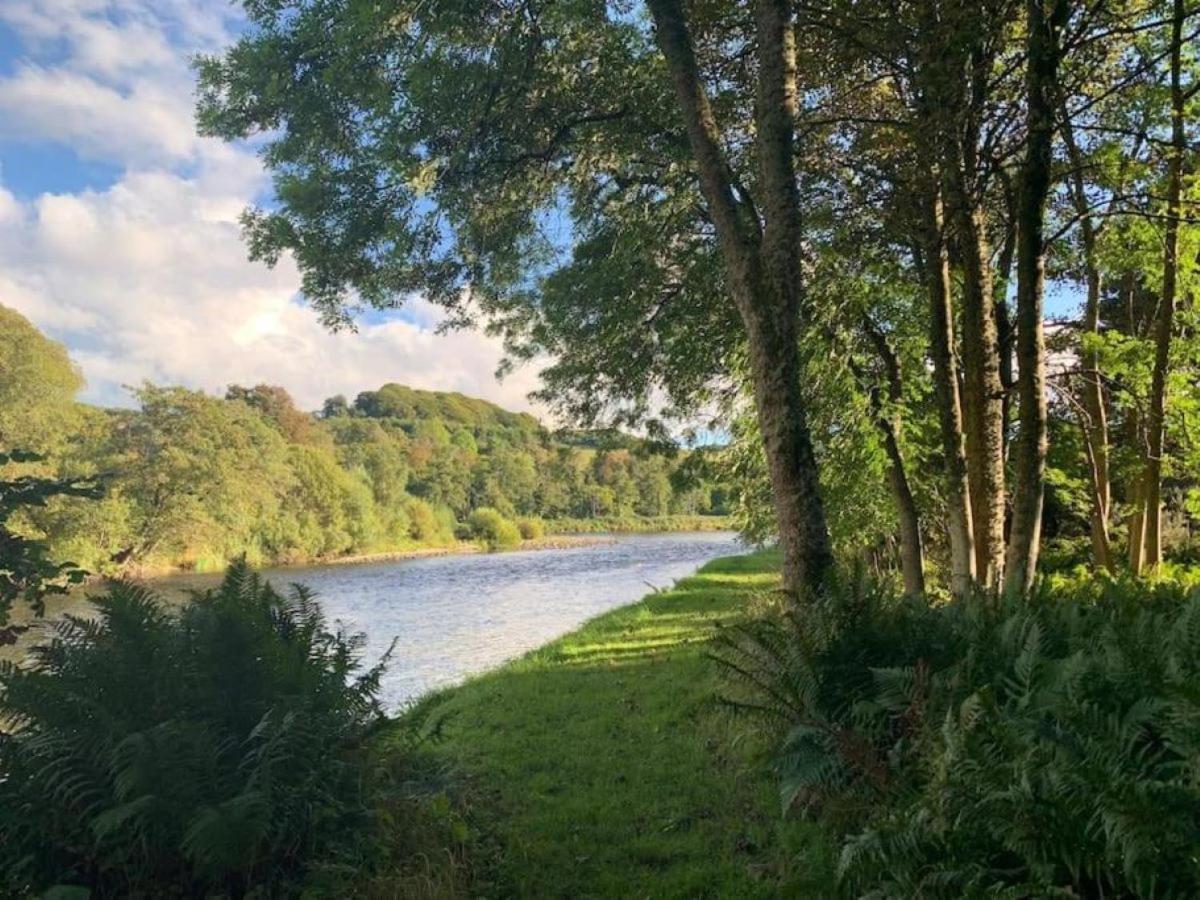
(197, 480)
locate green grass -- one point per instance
(602, 765)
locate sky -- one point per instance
(118, 224)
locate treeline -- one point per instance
(197, 480)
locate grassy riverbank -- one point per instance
(602, 765)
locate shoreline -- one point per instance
(462, 548)
(459, 548)
(561, 540)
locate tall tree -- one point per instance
(1164, 324)
(763, 261)
(422, 147)
(1045, 20)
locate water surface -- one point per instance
(453, 616)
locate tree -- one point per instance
(38, 384)
(205, 475)
(1045, 20)
(420, 147)
(27, 572)
(1164, 324)
(277, 406)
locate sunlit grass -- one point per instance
(603, 765)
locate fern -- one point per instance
(1049, 747)
(202, 753)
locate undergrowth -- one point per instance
(1015, 748)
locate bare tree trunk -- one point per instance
(1164, 324)
(1137, 525)
(763, 265)
(1004, 324)
(983, 393)
(1095, 412)
(945, 377)
(1045, 19)
(912, 555)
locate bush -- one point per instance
(428, 524)
(197, 754)
(492, 530)
(1021, 748)
(531, 529)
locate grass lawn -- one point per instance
(601, 765)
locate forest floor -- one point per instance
(603, 764)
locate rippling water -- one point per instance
(453, 616)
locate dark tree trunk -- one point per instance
(1165, 321)
(887, 420)
(1045, 19)
(1004, 323)
(762, 260)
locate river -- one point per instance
(454, 616)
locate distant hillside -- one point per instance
(197, 480)
(405, 404)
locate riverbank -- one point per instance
(550, 542)
(639, 524)
(602, 764)
(561, 534)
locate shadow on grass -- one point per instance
(602, 765)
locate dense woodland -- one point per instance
(192, 479)
(835, 230)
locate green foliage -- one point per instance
(195, 480)
(989, 747)
(531, 529)
(148, 753)
(492, 530)
(38, 384)
(641, 525)
(27, 571)
(426, 524)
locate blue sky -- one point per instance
(118, 224)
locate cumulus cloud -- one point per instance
(147, 278)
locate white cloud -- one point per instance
(147, 278)
(143, 125)
(144, 281)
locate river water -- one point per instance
(453, 616)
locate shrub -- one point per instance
(492, 530)
(203, 753)
(1022, 748)
(427, 524)
(531, 529)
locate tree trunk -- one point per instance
(1095, 412)
(983, 393)
(945, 377)
(1045, 19)
(1164, 324)
(1137, 525)
(1004, 324)
(912, 556)
(763, 266)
